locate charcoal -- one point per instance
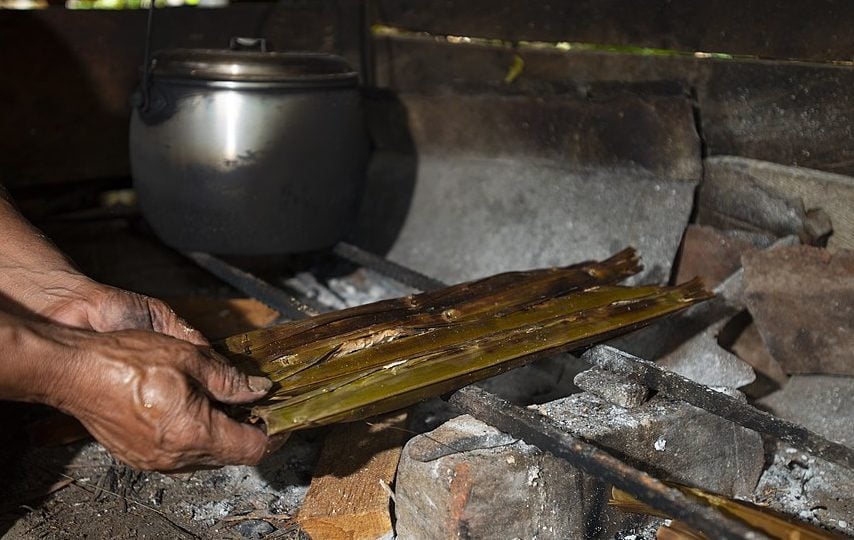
(802, 300)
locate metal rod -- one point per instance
(719, 404)
(146, 66)
(397, 272)
(538, 430)
(253, 286)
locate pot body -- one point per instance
(248, 168)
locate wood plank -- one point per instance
(781, 29)
(346, 500)
(785, 112)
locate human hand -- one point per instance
(77, 301)
(147, 398)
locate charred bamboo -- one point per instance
(362, 361)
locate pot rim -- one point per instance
(290, 69)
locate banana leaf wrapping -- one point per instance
(355, 363)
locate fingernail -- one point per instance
(259, 384)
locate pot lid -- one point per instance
(253, 66)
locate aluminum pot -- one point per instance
(248, 152)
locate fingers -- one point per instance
(236, 443)
(223, 382)
(166, 321)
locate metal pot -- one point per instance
(248, 152)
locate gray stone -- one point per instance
(472, 217)
(822, 403)
(833, 193)
(674, 440)
(653, 133)
(703, 360)
(802, 300)
(466, 479)
(612, 387)
(813, 490)
(254, 528)
(736, 201)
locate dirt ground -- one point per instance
(79, 491)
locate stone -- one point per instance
(466, 479)
(703, 360)
(833, 193)
(822, 403)
(254, 528)
(612, 387)
(714, 254)
(675, 440)
(734, 201)
(749, 347)
(813, 490)
(471, 217)
(802, 300)
(464, 186)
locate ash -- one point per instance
(813, 490)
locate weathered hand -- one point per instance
(79, 302)
(148, 399)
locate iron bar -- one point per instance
(720, 404)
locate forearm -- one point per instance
(29, 359)
(29, 262)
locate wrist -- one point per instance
(36, 360)
(38, 289)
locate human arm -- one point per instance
(39, 279)
(146, 397)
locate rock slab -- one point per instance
(802, 300)
(467, 480)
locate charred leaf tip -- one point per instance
(695, 290)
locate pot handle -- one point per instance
(248, 44)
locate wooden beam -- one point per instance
(779, 29)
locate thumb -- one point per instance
(224, 382)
